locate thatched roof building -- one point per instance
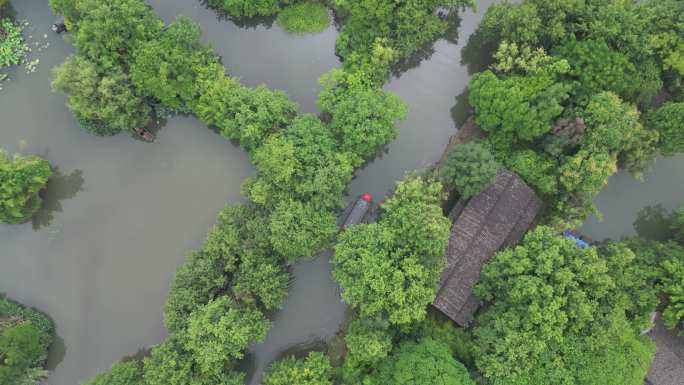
(668, 364)
(496, 218)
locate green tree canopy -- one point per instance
(391, 268)
(613, 126)
(470, 169)
(247, 115)
(237, 252)
(596, 67)
(668, 120)
(428, 362)
(315, 369)
(300, 163)
(103, 105)
(367, 343)
(363, 118)
(672, 286)
(248, 8)
(166, 68)
(107, 33)
(678, 224)
(219, 332)
(20, 351)
(21, 179)
(25, 336)
(522, 107)
(549, 309)
(403, 27)
(665, 25)
(300, 229)
(121, 373)
(170, 363)
(555, 108)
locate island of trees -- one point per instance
(25, 335)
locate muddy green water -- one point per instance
(121, 215)
(630, 207)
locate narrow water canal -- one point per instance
(122, 215)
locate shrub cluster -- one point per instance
(249, 8)
(25, 336)
(665, 261)
(21, 179)
(315, 369)
(470, 169)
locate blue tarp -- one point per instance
(580, 243)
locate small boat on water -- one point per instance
(59, 26)
(358, 211)
(144, 134)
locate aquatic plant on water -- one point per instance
(305, 17)
(12, 45)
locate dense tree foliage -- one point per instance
(427, 362)
(668, 120)
(556, 312)
(391, 268)
(25, 335)
(517, 106)
(672, 286)
(108, 33)
(561, 103)
(171, 364)
(121, 373)
(368, 341)
(678, 224)
(470, 169)
(236, 254)
(402, 27)
(103, 104)
(635, 275)
(363, 117)
(301, 162)
(166, 68)
(248, 8)
(664, 21)
(219, 331)
(240, 113)
(595, 67)
(21, 179)
(300, 229)
(662, 270)
(315, 369)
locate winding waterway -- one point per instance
(121, 215)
